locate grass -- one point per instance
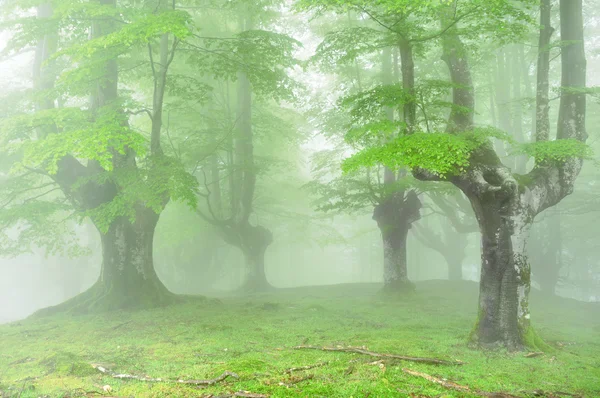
(254, 337)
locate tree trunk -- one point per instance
(395, 273)
(127, 278)
(394, 217)
(504, 285)
(254, 243)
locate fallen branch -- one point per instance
(357, 350)
(208, 382)
(307, 367)
(443, 383)
(457, 387)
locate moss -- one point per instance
(474, 334)
(532, 340)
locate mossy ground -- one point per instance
(254, 336)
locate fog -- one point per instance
(357, 154)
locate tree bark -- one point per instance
(504, 221)
(127, 279)
(394, 218)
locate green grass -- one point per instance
(254, 336)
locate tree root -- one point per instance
(208, 382)
(363, 351)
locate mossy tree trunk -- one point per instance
(505, 273)
(127, 278)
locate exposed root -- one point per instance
(363, 351)
(307, 367)
(100, 298)
(208, 382)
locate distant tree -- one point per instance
(223, 151)
(459, 222)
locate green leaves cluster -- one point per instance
(557, 150)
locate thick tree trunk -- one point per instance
(254, 243)
(505, 273)
(127, 278)
(395, 272)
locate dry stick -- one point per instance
(245, 394)
(362, 351)
(209, 382)
(447, 384)
(307, 367)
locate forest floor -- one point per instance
(255, 337)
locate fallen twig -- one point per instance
(208, 382)
(244, 394)
(307, 367)
(358, 350)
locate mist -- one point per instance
(300, 197)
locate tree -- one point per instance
(225, 153)
(505, 203)
(90, 153)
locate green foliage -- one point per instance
(263, 56)
(149, 186)
(96, 140)
(440, 153)
(557, 150)
(141, 31)
(344, 46)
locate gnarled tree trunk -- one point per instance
(127, 278)
(504, 221)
